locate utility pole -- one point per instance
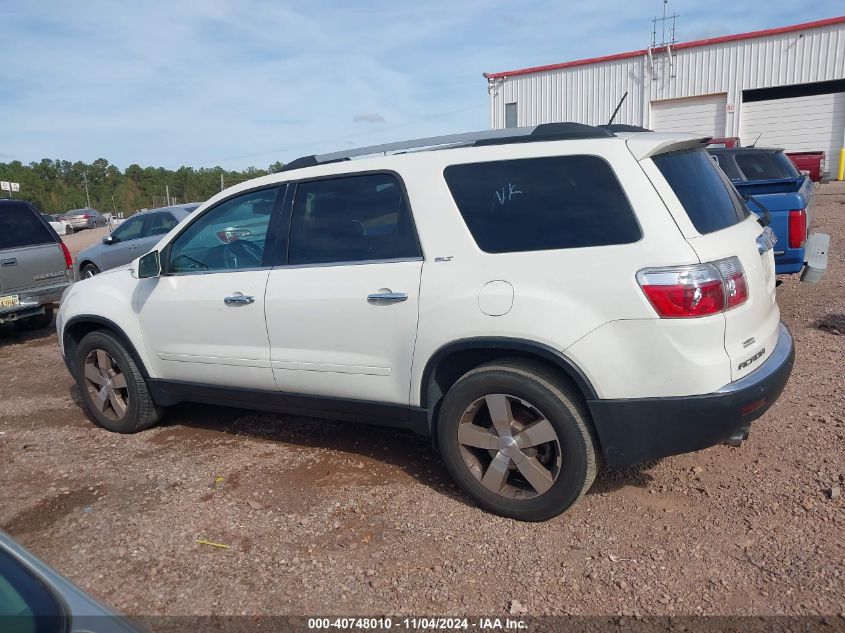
(167, 194)
(87, 197)
(221, 182)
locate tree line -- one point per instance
(56, 186)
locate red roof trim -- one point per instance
(693, 44)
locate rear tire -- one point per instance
(89, 270)
(36, 322)
(516, 438)
(112, 387)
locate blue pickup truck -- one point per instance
(773, 187)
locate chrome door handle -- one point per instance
(238, 300)
(383, 298)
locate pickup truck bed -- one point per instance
(783, 198)
(772, 185)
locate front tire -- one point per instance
(88, 271)
(516, 439)
(113, 389)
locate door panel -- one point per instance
(203, 319)
(328, 340)
(342, 314)
(194, 336)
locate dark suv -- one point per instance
(35, 266)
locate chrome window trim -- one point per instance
(215, 271)
(359, 262)
(362, 262)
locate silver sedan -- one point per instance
(84, 219)
(131, 239)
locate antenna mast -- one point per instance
(667, 41)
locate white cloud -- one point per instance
(208, 82)
(368, 117)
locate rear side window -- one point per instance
(20, 226)
(538, 204)
(708, 197)
(159, 223)
(351, 219)
(760, 166)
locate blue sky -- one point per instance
(238, 83)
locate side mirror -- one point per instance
(108, 240)
(149, 265)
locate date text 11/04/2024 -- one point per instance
(432, 623)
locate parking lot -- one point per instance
(306, 516)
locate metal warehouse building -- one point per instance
(786, 85)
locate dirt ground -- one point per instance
(323, 517)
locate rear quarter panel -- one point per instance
(559, 296)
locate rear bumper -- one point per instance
(632, 431)
(817, 249)
(33, 302)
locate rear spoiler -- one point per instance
(648, 144)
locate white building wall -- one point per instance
(588, 93)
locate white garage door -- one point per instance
(797, 124)
(701, 115)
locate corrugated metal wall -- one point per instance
(589, 93)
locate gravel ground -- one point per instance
(323, 517)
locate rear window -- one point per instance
(761, 166)
(706, 194)
(21, 226)
(537, 204)
(787, 167)
(725, 161)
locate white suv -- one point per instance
(536, 300)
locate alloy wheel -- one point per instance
(106, 385)
(509, 446)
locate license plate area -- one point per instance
(10, 301)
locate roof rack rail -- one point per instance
(542, 132)
(624, 127)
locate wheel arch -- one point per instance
(455, 359)
(85, 262)
(81, 325)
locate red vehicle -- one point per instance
(811, 162)
(726, 142)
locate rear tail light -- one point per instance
(797, 228)
(66, 253)
(736, 288)
(696, 290)
(87, 217)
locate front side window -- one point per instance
(130, 229)
(351, 219)
(535, 204)
(230, 236)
